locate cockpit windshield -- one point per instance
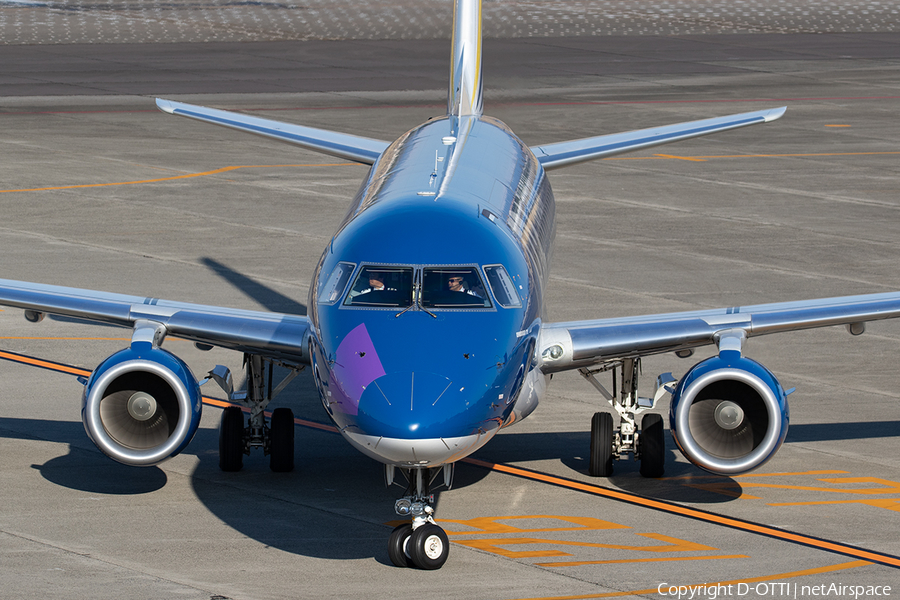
(453, 287)
(382, 286)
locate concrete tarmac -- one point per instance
(99, 190)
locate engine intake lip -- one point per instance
(94, 424)
(705, 460)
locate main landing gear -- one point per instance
(237, 437)
(647, 444)
(420, 543)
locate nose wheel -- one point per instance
(421, 543)
(398, 546)
(425, 547)
(429, 547)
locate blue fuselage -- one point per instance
(413, 371)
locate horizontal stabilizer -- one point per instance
(561, 154)
(342, 145)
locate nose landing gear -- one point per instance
(420, 543)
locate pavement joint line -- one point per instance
(496, 104)
(777, 576)
(868, 556)
(349, 164)
(174, 177)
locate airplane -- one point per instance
(423, 347)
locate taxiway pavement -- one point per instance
(99, 190)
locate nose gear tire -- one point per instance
(429, 547)
(398, 546)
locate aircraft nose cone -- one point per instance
(409, 405)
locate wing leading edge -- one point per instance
(342, 145)
(269, 334)
(585, 343)
(561, 154)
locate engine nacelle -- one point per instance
(141, 406)
(729, 414)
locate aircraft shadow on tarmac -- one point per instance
(84, 468)
(266, 296)
(682, 482)
(334, 505)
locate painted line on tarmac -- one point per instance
(693, 513)
(14, 113)
(43, 364)
(349, 164)
(174, 177)
(630, 561)
(57, 367)
(778, 576)
(706, 158)
(629, 498)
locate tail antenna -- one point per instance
(464, 99)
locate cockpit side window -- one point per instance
(382, 286)
(453, 287)
(336, 283)
(502, 285)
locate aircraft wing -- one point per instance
(274, 335)
(342, 145)
(561, 154)
(585, 343)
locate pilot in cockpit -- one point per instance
(376, 284)
(457, 283)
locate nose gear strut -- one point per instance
(420, 543)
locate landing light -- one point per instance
(553, 352)
(403, 507)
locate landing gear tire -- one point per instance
(653, 446)
(429, 547)
(231, 439)
(398, 546)
(601, 457)
(281, 446)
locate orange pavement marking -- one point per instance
(637, 560)
(173, 178)
(788, 575)
(805, 540)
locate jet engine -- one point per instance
(141, 405)
(729, 414)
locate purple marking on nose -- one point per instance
(356, 366)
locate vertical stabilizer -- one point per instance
(464, 99)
